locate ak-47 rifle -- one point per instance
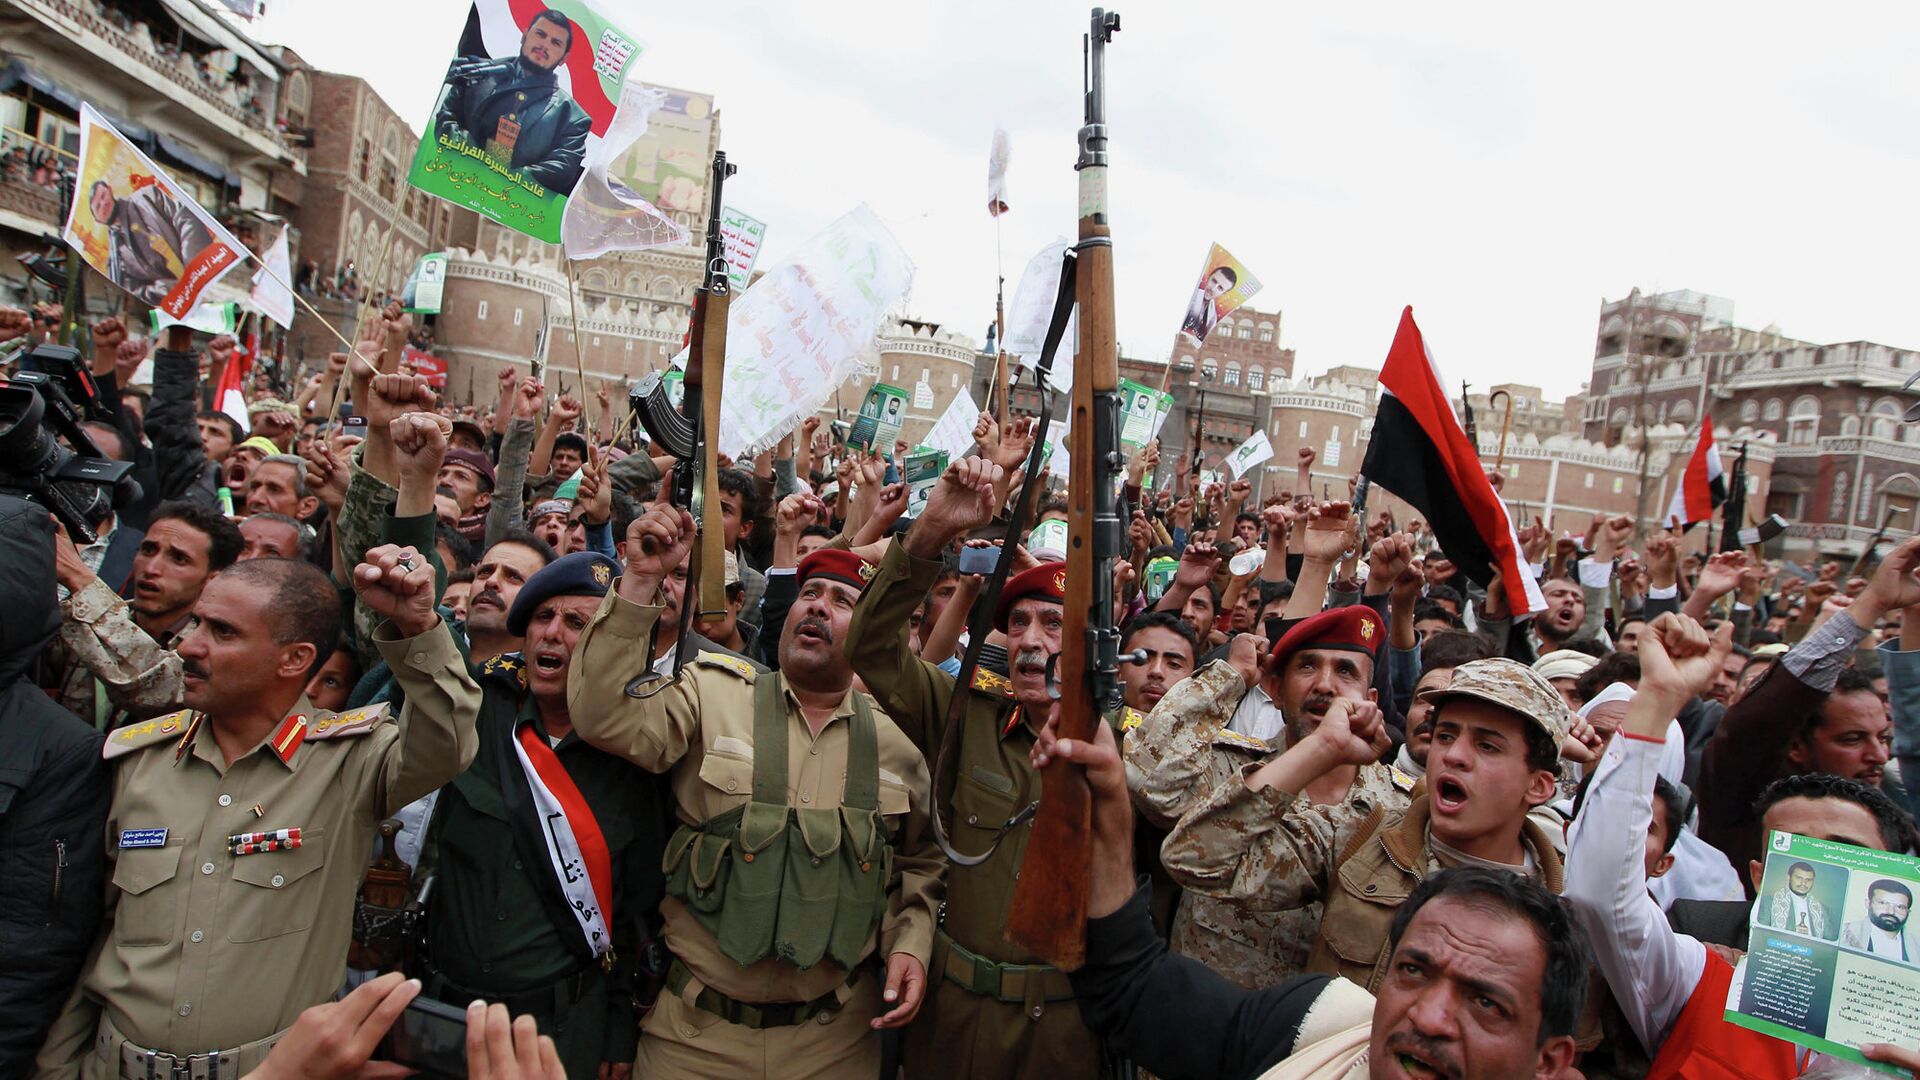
(1048, 916)
(689, 431)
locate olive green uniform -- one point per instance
(210, 950)
(792, 874)
(993, 1009)
(492, 931)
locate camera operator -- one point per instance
(114, 661)
(54, 807)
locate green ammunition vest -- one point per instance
(799, 884)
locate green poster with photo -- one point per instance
(880, 418)
(921, 471)
(530, 92)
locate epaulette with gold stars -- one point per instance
(1402, 779)
(726, 663)
(348, 724)
(140, 736)
(506, 668)
(992, 682)
(1226, 736)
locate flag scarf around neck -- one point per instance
(582, 864)
(1703, 486)
(1419, 452)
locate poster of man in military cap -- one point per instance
(530, 90)
(134, 225)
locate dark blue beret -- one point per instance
(583, 573)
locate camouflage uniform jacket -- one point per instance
(103, 650)
(1274, 851)
(1182, 753)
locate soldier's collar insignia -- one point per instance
(1402, 779)
(288, 736)
(1130, 718)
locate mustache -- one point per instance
(1030, 657)
(1428, 1050)
(489, 596)
(1318, 704)
(818, 626)
(195, 669)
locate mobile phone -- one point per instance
(430, 1036)
(979, 560)
(354, 425)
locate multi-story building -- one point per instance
(1845, 461)
(214, 109)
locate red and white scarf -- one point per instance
(581, 862)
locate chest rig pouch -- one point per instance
(795, 883)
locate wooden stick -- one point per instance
(573, 316)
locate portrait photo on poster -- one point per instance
(530, 91)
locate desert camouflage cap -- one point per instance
(1510, 685)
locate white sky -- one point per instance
(1501, 167)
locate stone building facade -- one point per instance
(1845, 460)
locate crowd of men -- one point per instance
(335, 718)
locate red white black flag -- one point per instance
(1418, 451)
(1703, 487)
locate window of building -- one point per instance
(1303, 429)
(1246, 332)
(1256, 378)
(896, 373)
(1773, 410)
(1210, 368)
(1749, 411)
(1266, 332)
(1619, 483)
(1233, 374)
(1803, 424)
(294, 101)
(1849, 425)
(517, 314)
(483, 309)
(1589, 479)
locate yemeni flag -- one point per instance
(1419, 452)
(1703, 486)
(227, 396)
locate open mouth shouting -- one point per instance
(1449, 794)
(549, 661)
(1419, 1059)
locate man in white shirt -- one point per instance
(1884, 931)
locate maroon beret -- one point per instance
(836, 564)
(1355, 627)
(1048, 581)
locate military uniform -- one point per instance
(774, 973)
(115, 671)
(492, 931)
(992, 1009)
(1270, 850)
(233, 884)
(1181, 753)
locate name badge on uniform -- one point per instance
(142, 838)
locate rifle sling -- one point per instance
(980, 621)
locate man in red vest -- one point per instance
(1672, 988)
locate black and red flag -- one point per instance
(1418, 452)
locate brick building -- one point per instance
(205, 103)
(1844, 460)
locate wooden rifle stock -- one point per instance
(1048, 916)
(706, 368)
